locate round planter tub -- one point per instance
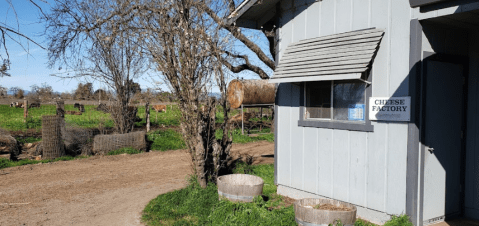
(240, 187)
(305, 215)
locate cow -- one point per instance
(159, 108)
(16, 105)
(34, 105)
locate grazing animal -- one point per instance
(34, 105)
(159, 108)
(16, 105)
(80, 107)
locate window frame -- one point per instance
(364, 126)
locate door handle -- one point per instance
(431, 150)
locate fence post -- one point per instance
(25, 109)
(60, 108)
(147, 111)
(242, 120)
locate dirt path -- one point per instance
(110, 190)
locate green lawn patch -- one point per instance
(196, 206)
(127, 150)
(169, 118)
(239, 138)
(12, 118)
(5, 163)
(165, 140)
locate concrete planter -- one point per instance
(306, 215)
(240, 187)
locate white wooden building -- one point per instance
(332, 57)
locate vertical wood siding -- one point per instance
(366, 169)
(472, 148)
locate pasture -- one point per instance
(11, 119)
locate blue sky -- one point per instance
(31, 69)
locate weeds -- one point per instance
(28, 140)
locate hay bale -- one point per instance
(102, 144)
(250, 92)
(53, 146)
(11, 145)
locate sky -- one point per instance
(29, 63)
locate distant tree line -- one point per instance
(85, 91)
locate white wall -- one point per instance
(366, 169)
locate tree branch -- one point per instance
(246, 66)
(237, 34)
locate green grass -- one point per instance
(28, 140)
(241, 139)
(169, 118)
(164, 140)
(127, 150)
(5, 163)
(12, 118)
(402, 220)
(196, 206)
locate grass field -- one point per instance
(11, 119)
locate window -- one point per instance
(340, 104)
(347, 98)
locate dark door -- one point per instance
(444, 108)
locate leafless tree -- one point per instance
(12, 32)
(3, 92)
(43, 92)
(105, 52)
(17, 92)
(182, 42)
(83, 91)
(190, 45)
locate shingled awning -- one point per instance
(334, 57)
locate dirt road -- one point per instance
(109, 190)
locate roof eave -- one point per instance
(241, 16)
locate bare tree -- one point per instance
(3, 92)
(17, 92)
(83, 91)
(105, 52)
(43, 92)
(189, 43)
(185, 46)
(12, 32)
